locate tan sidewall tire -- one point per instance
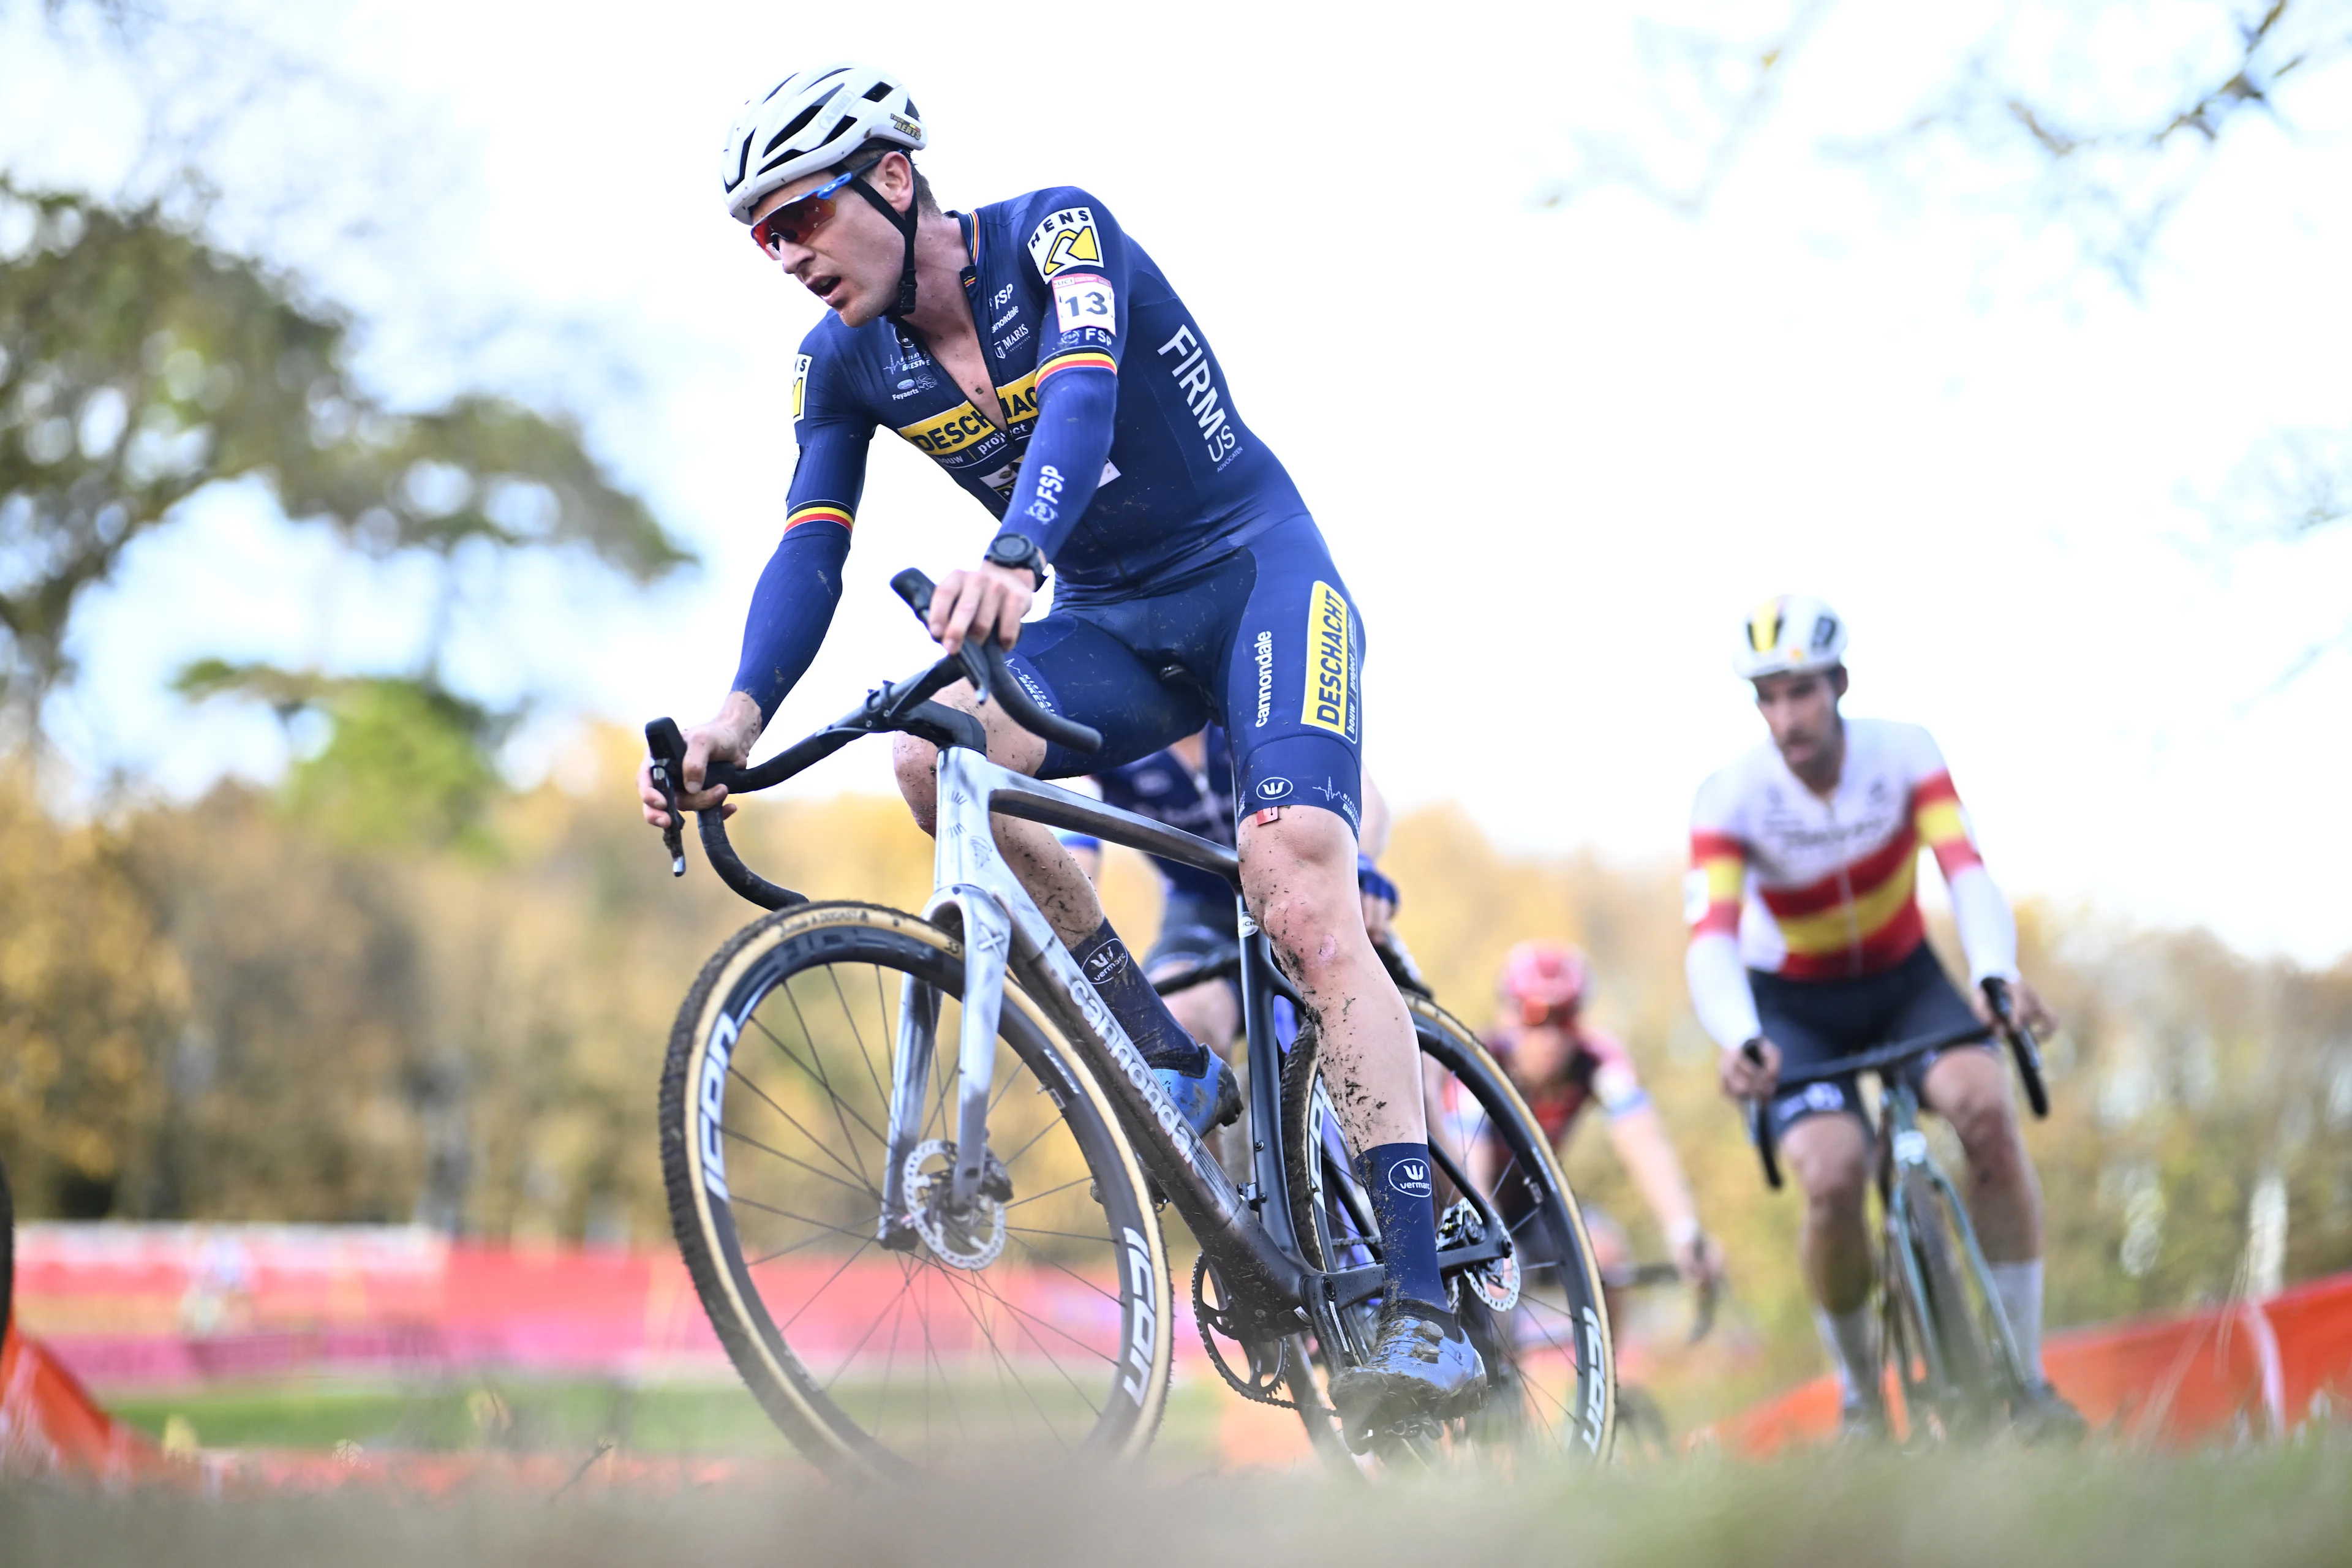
(1444, 1023)
(774, 1375)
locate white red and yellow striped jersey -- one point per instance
(1817, 888)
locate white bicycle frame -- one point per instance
(977, 893)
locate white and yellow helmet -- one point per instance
(1788, 635)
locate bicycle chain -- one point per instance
(1203, 1317)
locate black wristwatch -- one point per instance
(1016, 550)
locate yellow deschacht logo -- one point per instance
(1328, 657)
(1764, 626)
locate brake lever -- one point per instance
(666, 747)
(1711, 1290)
(917, 589)
(1759, 1122)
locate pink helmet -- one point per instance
(1544, 978)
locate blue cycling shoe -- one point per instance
(1206, 1100)
(1422, 1367)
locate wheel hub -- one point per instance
(960, 1236)
(1495, 1282)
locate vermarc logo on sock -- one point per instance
(1105, 961)
(1410, 1177)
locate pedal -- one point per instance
(1416, 1435)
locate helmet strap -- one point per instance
(905, 223)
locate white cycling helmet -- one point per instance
(811, 120)
(1789, 635)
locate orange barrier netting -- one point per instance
(2262, 1368)
(49, 1423)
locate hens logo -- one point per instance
(1065, 239)
(799, 386)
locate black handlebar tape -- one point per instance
(993, 677)
(1023, 710)
(668, 749)
(2022, 1047)
(1759, 1123)
(746, 882)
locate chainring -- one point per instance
(1215, 1321)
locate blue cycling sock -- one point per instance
(1398, 1175)
(1137, 1007)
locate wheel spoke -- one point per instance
(846, 1167)
(905, 1365)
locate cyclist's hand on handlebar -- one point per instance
(2025, 1003)
(987, 599)
(728, 739)
(1697, 1260)
(1745, 1079)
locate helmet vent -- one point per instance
(878, 92)
(797, 123)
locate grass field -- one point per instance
(528, 1416)
(2269, 1508)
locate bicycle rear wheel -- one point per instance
(1034, 1326)
(1945, 1357)
(1537, 1316)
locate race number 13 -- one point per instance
(1083, 300)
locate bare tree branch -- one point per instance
(1722, 89)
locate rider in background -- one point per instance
(1807, 944)
(1035, 352)
(1561, 1064)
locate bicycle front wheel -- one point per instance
(1537, 1315)
(1031, 1326)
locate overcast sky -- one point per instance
(1557, 453)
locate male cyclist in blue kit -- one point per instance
(1039, 356)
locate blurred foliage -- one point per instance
(89, 986)
(139, 365)
(238, 1008)
(406, 762)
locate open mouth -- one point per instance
(824, 287)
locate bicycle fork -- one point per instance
(987, 943)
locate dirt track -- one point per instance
(2281, 1508)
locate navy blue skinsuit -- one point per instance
(1191, 585)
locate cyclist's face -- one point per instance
(851, 260)
(1801, 712)
(1540, 1055)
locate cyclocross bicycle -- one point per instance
(1943, 1333)
(915, 1167)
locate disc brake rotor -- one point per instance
(1495, 1282)
(965, 1237)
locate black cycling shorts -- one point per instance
(1263, 639)
(1820, 1020)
